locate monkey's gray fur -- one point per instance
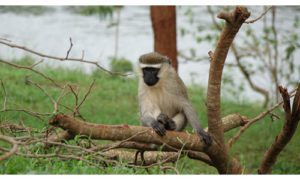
(164, 104)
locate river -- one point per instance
(49, 33)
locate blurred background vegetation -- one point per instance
(113, 94)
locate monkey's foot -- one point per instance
(159, 128)
(205, 137)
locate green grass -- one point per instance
(113, 100)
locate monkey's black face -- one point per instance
(150, 75)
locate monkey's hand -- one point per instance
(205, 137)
(166, 121)
(159, 128)
(163, 118)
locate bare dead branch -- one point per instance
(251, 121)
(75, 94)
(37, 63)
(191, 59)
(17, 128)
(61, 58)
(69, 50)
(45, 92)
(292, 118)
(247, 75)
(14, 148)
(62, 136)
(212, 14)
(31, 69)
(258, 18)
(5, 95)
(85, 96)
(3, 39)
(118, 144)
(35, 114)
(62, 95)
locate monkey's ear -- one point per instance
(169, 61)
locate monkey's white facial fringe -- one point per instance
(150, 65)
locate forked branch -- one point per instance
(292, 117)
(61, 58)
(13, 150)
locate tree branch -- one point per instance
(143, 135)
(251, 121)
(122, 132)
(258, 18)
(292, 118)
(218, 151)
(13, 150)
(61, 58)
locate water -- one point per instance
(49, 34)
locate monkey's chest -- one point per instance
(165, 102)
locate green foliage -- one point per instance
(120, 65)
(113, 100)
(102, 11)
(34, 10)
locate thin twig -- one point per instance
(61, 58)
(37, 63)
(5, 95)
(265, 12)
(14, 148)
(120, 142)
(44, 91)
(62, 95)
(251, 121)
(71, 45)
(85, 96)
(31, 69)
(35, 114)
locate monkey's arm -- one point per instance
(149, 118)
(192, 119)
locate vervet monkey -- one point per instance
(163, 99)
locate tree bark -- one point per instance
(290, 125)
(125, 132)
(136, 133)
(218, 151)
(164, 27)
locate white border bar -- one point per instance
(148, 2)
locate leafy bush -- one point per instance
(120, 65)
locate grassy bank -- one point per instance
(113, 100)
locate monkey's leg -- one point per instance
(142, 157)
(179, 122)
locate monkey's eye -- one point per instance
(151, 70)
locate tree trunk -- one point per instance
(219, 154)
(164, 27)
